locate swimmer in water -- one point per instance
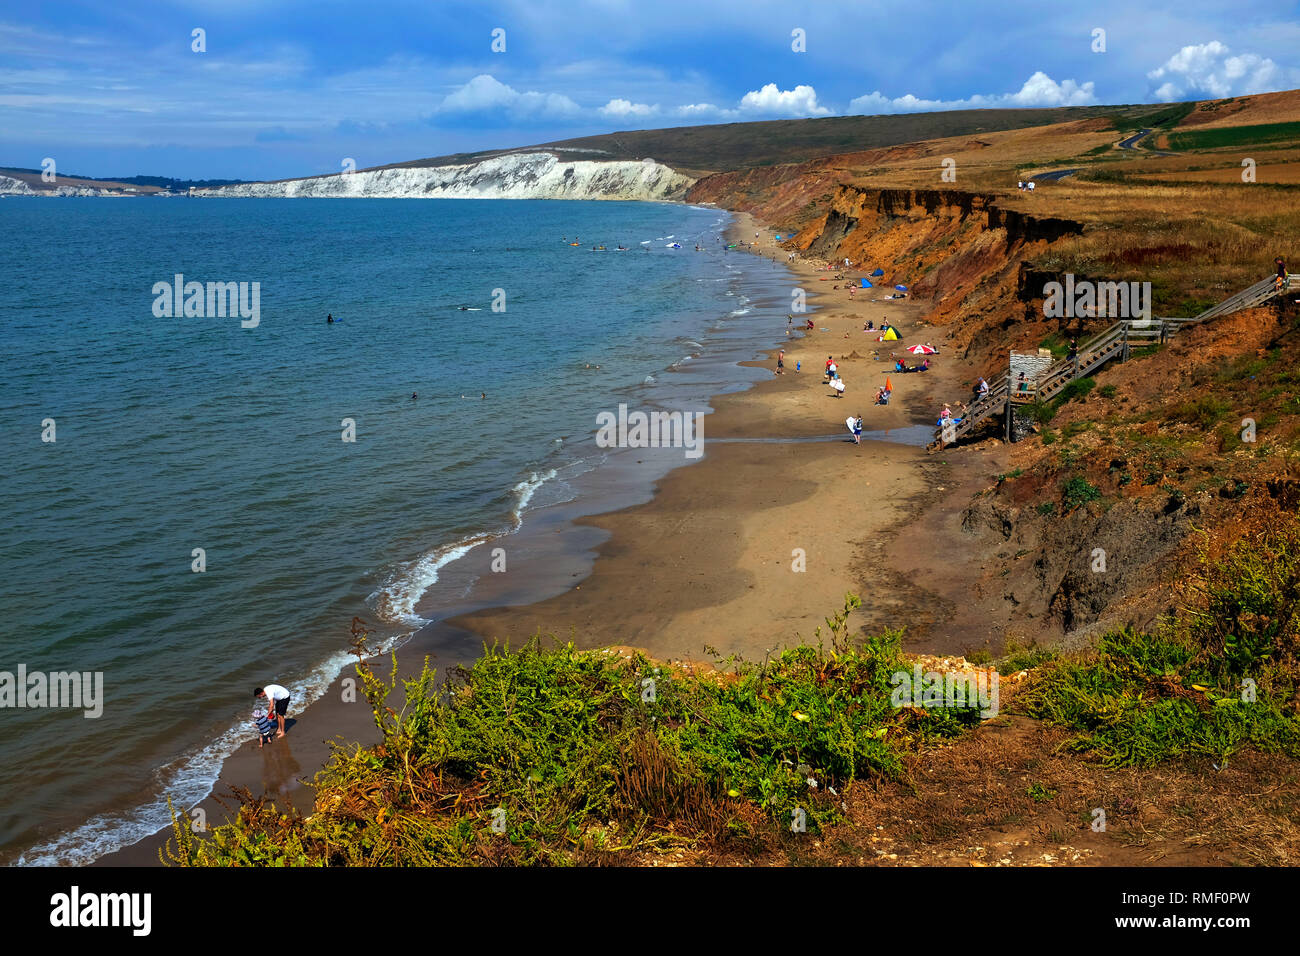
(412, 396)
(329, 319)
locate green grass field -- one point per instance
(1234, 136)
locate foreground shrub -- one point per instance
(550, 754)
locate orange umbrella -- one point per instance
(888, 387)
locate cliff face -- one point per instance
(514, 176)
(960, 250)
(16, 187)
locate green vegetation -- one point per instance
(1076, 389)
(1167, 118)
(1017, 658)
(1044, 412)
(1040, 794)
(1234, 136)
(1205, 411)
(1106, 391)
(1220, 676)
(1078, 491)
(591, 755)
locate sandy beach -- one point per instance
(708, 565)
(710, 561)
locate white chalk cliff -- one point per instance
(512, 176)
(16, 187)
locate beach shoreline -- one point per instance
(744, 552)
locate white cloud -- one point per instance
(1039, 90)
(485, 93)
(771, 101)
(702, 111)
(625, 109)
(1206, 68)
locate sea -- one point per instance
(197, 504)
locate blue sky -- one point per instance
(294, 88)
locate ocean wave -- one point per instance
(188, 782)
(524, 492)
(395, 599)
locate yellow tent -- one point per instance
(890, 335)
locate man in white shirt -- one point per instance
(277, 704)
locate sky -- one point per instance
(263, 89)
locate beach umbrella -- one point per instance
(923, 350)
(901, 288)
(888, 385)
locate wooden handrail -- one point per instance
(1103, 347)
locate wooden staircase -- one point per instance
(1115, 342)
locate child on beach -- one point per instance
(265, 726)
(854, 423)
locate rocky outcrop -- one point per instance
(512, 176)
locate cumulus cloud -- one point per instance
(486, 94)
(771, 101)
(1207, 68)
(625, 109)
(1039, 90)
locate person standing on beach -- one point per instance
(277, 699)
(780, 362)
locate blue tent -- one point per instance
(901, 288)
(866, 284)
(878, 272)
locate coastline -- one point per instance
(707, 561)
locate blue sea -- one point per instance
(174, 434)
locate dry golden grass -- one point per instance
(1281, 107)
